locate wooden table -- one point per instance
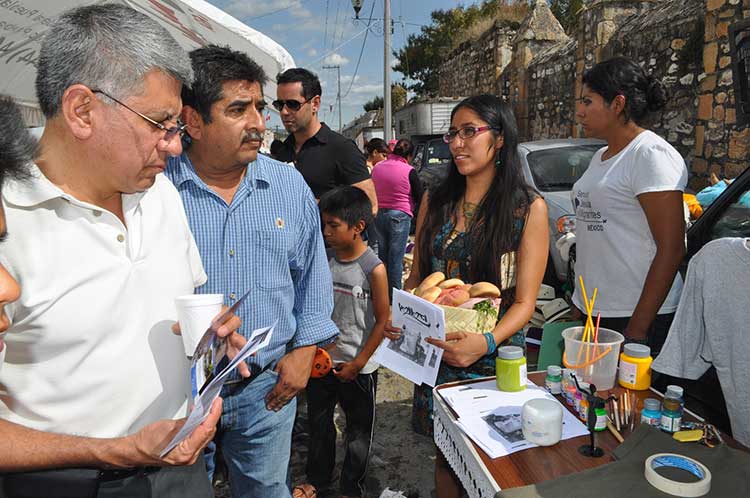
(482, 476)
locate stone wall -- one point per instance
(667, 41)
(552, 113)
(682, 42)
(474, 67)
(721, 146)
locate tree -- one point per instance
(566, 11)
(421, 57)
(374, 104)
(398, 99)
(398, 96)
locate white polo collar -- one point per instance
(38, 189)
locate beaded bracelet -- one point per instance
(491, 346)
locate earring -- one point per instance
(498, 162)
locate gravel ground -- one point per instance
(401, 460)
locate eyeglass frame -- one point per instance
(285, 103)
(169, 133)
(451, 135)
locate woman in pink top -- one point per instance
(399, 191)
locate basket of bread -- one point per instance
(468, 307)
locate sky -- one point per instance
(323, 32)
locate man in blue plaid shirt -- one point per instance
(257, 227)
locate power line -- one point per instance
(333, 50)
(325, 36)
(292, 6)
(361, 51)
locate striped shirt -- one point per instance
(267, 240)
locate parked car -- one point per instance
(431, 160)
(552, 167)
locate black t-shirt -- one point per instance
(326, 160)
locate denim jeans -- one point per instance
(357, 399)
(393, 227)
(255, 442)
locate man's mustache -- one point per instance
(252, 136)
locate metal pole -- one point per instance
(338, 95)
(387, 70)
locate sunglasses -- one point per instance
(465, 132)
(169, 133)
(292, 105)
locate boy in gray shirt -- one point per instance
(360, 310)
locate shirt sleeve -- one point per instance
(313, 287)
(686, 352)
(658, 167)
(416, 187)
(352, 165)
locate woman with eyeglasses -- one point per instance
(482, 223)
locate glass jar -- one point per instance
(553, 381)
(651, 413)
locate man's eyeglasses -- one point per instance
(465, 132)
(169, 133)
(292, 105)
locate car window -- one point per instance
(437, 153)
(735, 220)
(557, 169)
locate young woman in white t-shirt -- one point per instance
(630, 230)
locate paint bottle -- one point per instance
(583, 404)
(635, 367)
(510, 369)
(569, 387)
(553, 381)
(651, 413)
(671, 409)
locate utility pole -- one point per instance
(387, 27)
(387, 70)
(338, 95)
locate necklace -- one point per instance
(469, 209)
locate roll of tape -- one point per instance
(684, 489)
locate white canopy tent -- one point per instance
(193, 23)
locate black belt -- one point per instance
(65, 483)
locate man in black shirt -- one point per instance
(325, 158)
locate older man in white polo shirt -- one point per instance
(101, 247)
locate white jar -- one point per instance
(541, 421)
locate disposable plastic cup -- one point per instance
(593, 363)
(194, 313)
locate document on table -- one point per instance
(492, 418)
(210, 391)
(412, 356)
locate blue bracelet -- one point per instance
(491, 346)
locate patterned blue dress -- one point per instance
(451, 255)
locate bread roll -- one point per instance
(456, 298)
(484, 289)
(450, 283)
(431, 294)
(431, 281)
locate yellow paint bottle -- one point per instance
(635, 367)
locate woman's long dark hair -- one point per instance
(492, 231)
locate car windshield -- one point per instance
(437, 153)
(557, 169)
